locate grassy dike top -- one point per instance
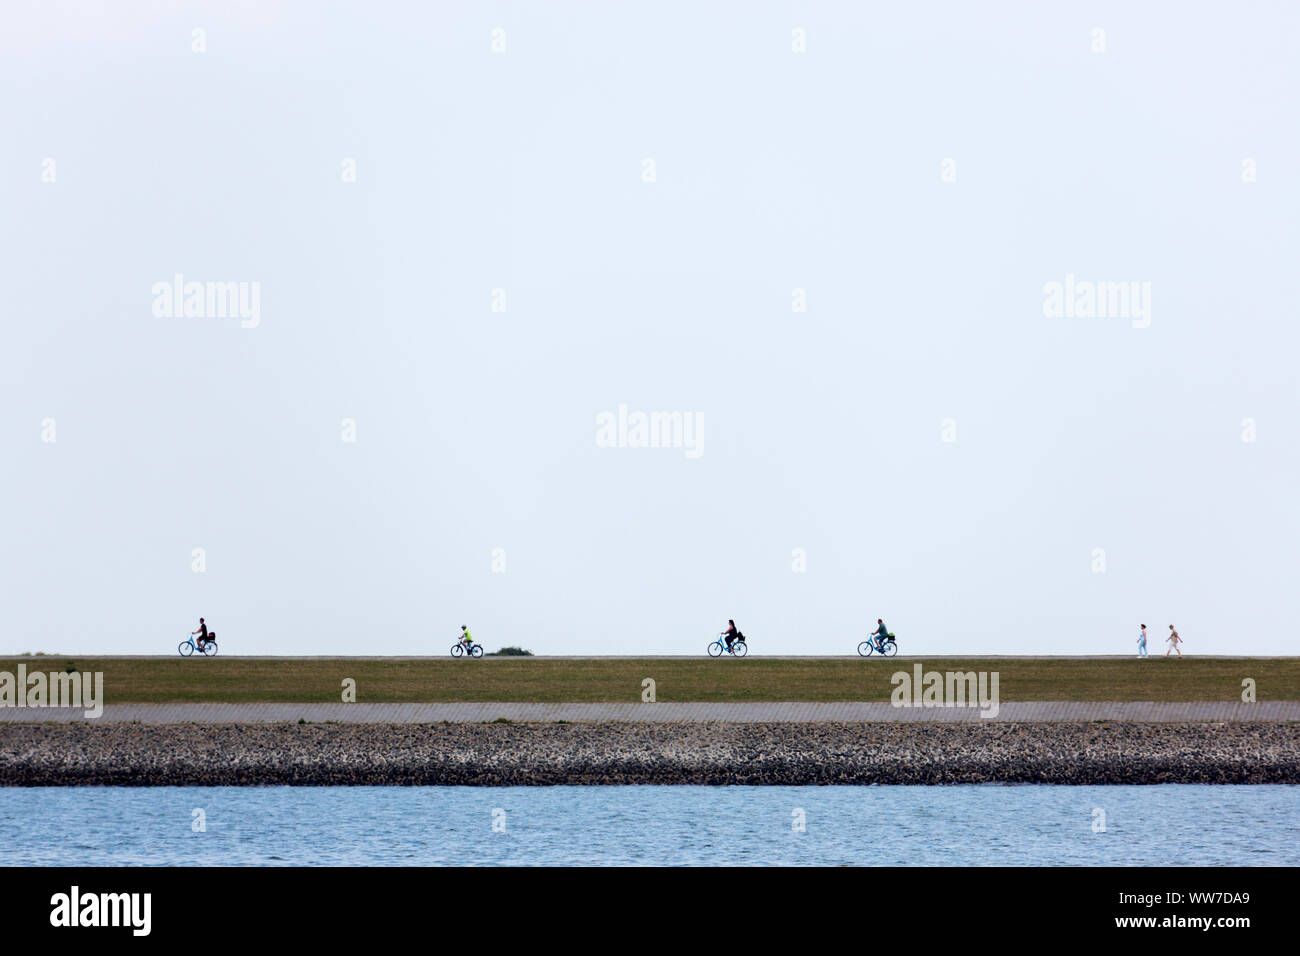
(567, 680)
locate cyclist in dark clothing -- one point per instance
(730, 633)
(202, 632)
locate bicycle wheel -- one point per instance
(866, 648)
(210, 648)
(890, 649)
(740, 648)
(457, 650)
(476, 650)
(715, 649)
(185, 648)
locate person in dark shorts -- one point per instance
(202, 632)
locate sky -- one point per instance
(825, 236)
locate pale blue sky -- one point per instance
(523, 171)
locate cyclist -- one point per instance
(730, 633)
(466, 638)
(880, 634)
(202, 632)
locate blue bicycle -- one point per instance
(738, 646)
(187, 647)
(887, 647)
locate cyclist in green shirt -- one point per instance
(466, 638)
(881, 634)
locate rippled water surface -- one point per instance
(961, 825)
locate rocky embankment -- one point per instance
(82, 754)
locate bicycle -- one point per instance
(460, 650)
(888, 647)
(719, 646)
(187, 647)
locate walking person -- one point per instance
(1174, 640)
(1142, 642)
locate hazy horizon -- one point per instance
(853, 281)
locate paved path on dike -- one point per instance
(756, 712)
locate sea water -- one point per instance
(987, 824)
